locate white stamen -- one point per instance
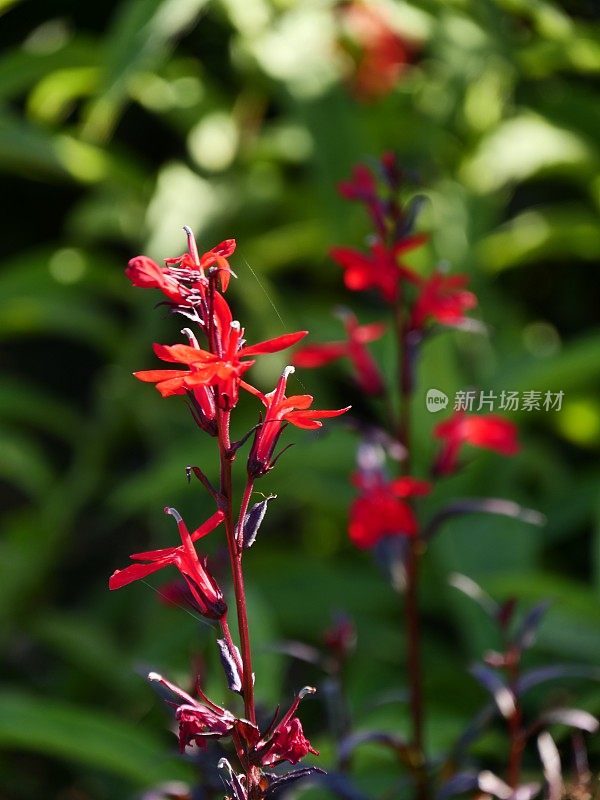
(174, 513)
(235, 325)
(191, 337)
(154, 676)
(289, 370)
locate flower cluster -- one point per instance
(419, 305)
(210, 370)
(387, 513)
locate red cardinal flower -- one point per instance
(444, 299)
(281, 409)
(183, 280)
(365, 369)
(144, 272)
(383, 52)
(489, 431)
(223, 371)
(380, 510)
(198, 721)
(202, 585)
(286, 742)
(380, 268)
(191, 267)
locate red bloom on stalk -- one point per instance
(204, 588)
(147, 274)
(366, 372)
(183, 280)
(209, 369)
(198, 721)
(281, 409)
(286, 742)
(489, 431)
(381, 509)
(444, 299)
(380, 268)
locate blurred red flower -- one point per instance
(444, 299)
(380, 268)
(379, 52)
(381, 509)
(365, 369)
(488, 431)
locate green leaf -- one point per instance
(86, 736)
(140, 39)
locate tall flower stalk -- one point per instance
(385, 513)
(210, 372)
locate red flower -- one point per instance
(144, 272)
(489, 431)
(192, 267)
(198, 721)
(384, 53)
(365, 369)
(444, 299)
(379, 269)
(223, 371)
(202, 585)
(183, 280)
(380, 510)
(286, 742)
(281, 409)
(361, 186)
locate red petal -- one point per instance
(316, 355)
(273, 345)
(181, 353)
(308, 420)
(208, 526)
(410, 487)
(370, 333)
(296, 402)
(134, 572)
(158, 375)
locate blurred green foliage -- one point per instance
(120, 122)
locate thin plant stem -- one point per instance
(412, 614)
(515, 726)
(235, 558)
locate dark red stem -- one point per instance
(411, 598)
(235, 558)
(515, 725)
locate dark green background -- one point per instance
(122, 121)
